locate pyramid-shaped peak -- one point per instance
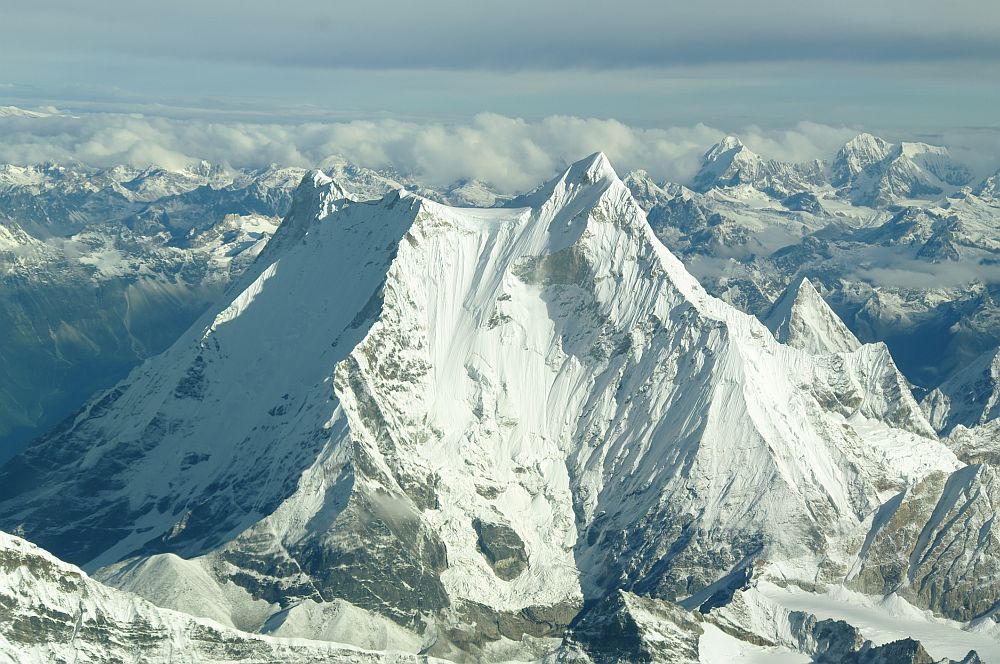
(594, 168)
(730, 145)
(316, 178)
(865, 149)
(802, 318)
(807, 291)
(730, 142)
(861, 152)
(585, 179)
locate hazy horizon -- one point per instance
(918, 65)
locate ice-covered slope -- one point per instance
(101, 268)
(862, 152)
(53, 612)
(872, 171)
(989, 188)
(471, 420)
(729, 163)
(802, 318)
(969, 397)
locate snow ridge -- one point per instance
(802, 318)
(392, 373)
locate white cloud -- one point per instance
(510, 153)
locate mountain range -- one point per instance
(106, 267)
(528, 432)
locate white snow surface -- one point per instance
(970, 397)
(717, 647)
(887, 619)
(801, 318)
(55, 613)
(551, 365)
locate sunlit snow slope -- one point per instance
(469, 421)
(53, 612)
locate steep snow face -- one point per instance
(53, 612)
(989, 188)
(729, 163)
(871, 171)
(102, 268)
(970, 397)
(474, 419)
(802, 318)
(858, 154)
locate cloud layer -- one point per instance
(510, 153)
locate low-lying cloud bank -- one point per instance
(510, 153)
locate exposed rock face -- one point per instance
(502, 548)
(754, 619)
(471, 422)
(624, 627)
(970, 397)
(989, 188)
(978, 445)
(53, 612)
(937, 545)
(803, 201)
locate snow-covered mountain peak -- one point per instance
(801, 318)
(593, 168)
(915, 148)
(726, 145)
(868, 145)
(730, 163)
(461, 417)
(872, 171)
(970, 397)
(16, 112)
(583, 182)
(727, 152)
(989, 188)
(861, 152)
(317, 197)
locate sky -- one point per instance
(904, 68)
